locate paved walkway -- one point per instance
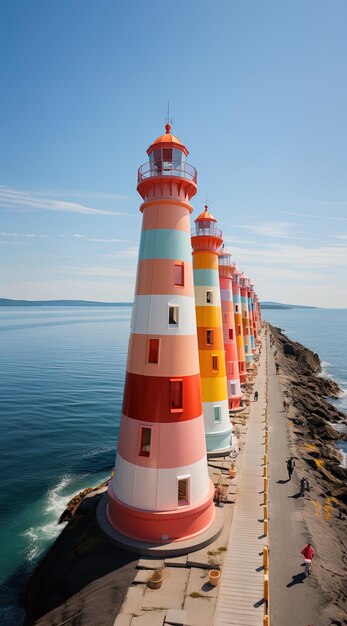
(293, 599)
(241, 588)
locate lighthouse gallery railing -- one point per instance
(182, 170)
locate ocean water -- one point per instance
(61, 386)
(324, 331)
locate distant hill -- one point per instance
(279, 305)
(7, 302)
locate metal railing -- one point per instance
(210, 231)
(154, 169)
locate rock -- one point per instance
(288, 348)
(340, 493)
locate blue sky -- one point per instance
(258, 94)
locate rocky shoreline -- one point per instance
(312, 420)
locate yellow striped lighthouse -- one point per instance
(206, 240)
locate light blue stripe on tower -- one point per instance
(164, 243)
(244, 300)
(206, 278)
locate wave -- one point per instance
(326, 364)
(98, 451)
(54, 505)
(40, 536)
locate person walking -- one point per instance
(277, 368)
(290, 466)
(285, 406)
(256, 396)
(308, 553)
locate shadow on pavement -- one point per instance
(296, 495)
(282, 482)
(297, 579)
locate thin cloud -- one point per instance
(14, 199)
(312, 215)
(118, 272)
(128, 253)
(99, 195)
(270, 229)
(277, 254)
(96, 239)
(31, 235)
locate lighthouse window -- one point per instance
(239, 330)
(215, 363)
(209, 337)
(153, 350)
(167, 160)
(183, 491)
(179, 274)
(217, 413)
(209, 297)
(233, 390)
(246, 349)
(177, 157)
(173, 315)
(145, 441)
(176, 394)
(231, 334)
(236, 308)
(157, 161)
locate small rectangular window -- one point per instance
(236, 308)
(233, 390)
(153, 350)
(215, 363)
(145, 441)
(209, 337)
(179, 274)
(217, 413)
(173, 315)
(246, 349)
(183, 491)
(231, 334)
(176, 395)
(239, 330)
(209, 297)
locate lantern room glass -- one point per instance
(167, 161)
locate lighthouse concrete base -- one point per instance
(211, 454)
(175, 548)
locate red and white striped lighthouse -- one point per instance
(161, 491)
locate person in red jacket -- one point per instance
(308, 552)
